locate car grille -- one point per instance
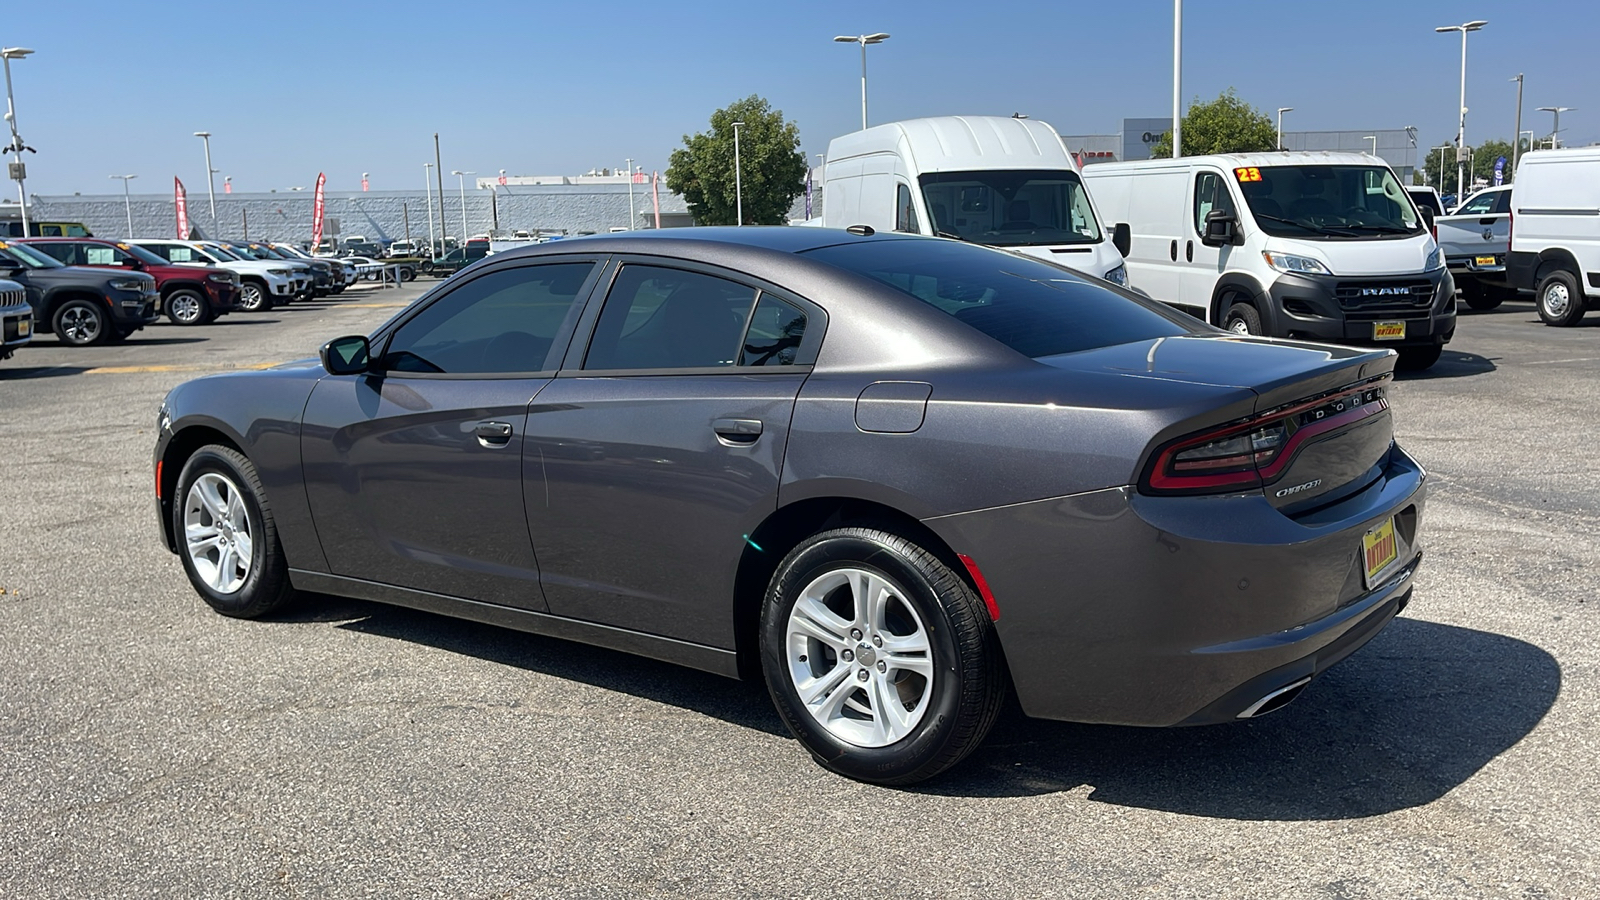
(13, 298)
(1378, 295)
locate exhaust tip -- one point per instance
(1275, 700)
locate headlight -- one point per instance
(130, 284)
(281, 273)
(1119, 275)
(1294, 265)
(1435, 260)
(221, 277)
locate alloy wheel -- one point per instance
(184, 307)
(252, 296)
(859, 657)
(217, 532)
(80, 325)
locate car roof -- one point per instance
(770, 238)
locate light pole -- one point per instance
(738, 180)
(1555, 127)
(18, 172)
(127, 204)
(863, 40)
(1442, 148)
(1281, 111)
(1516, 140)
(1461, 123)
(211, 181)
(1374, 139)
(461, 180)
(427, 182)
(630, 193)
(1177, 78)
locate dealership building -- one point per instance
(1396, 146)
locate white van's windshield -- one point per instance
(1326, 202)
(1011, 208)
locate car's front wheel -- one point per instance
(81, 323)
(227, 537)
(1561, 301)
(253, 297)
(1242, 318)
(879, 657)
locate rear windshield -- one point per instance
(1033, 307)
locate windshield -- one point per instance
(290, 253)
(30, 257)
(219, 253)
(1011, 208)
(1318, 202)
(1034, 307)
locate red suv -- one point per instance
(191, 295)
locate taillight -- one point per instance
(1250, 453)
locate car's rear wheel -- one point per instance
(1415, 359)
(879, 657)
(81, 323)
(427, 268)
(253, 297)
(186, 307)
(227, 537)
(1561, 301)
(1242, 318)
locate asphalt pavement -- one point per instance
(149, 747)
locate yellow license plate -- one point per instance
(24, 327)
(1378, 550)
(1388, 331)
(1485, 260)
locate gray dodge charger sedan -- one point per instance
(891, 475)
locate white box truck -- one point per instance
(1315, 246)
(1004, 182)
(1555, 232)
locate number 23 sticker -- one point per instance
(1247, 173)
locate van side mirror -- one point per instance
(1222, 227)
(350, 355)
(1122, 238)
(1428, 215)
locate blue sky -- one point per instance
(290, 89)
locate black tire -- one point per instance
(968, 682)
(1415, 359)
(188, 307)
(82, 323)
(427, 268)
(408, 274)
(265, 589)
(1483, 301)
(254, 297)
(1242, 318)
(1560, 299)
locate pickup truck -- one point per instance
(1476, 238)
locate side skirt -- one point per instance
(695, 656)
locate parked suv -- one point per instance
(190, 295)
(1475, 239)
(319, 272)
(16, 317)
(81, 306)
(340, 276)
(262, 285)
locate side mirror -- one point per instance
(1222, 227)
(133, 262)
(1428, 216)
(347, 355)
(1122, 238)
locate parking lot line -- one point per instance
(372, 305)
(141, 370)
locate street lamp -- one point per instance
(1374, 139)
(1441, 148)
(17, 172)
(1516, 142)
(127, 204)
(1177, 78)
(211, 182)
(461, 180)
(738, 180)
(1281, 111)
(1555, 127)
(630, 193)
(427, 182)
(863, 40)
(1461, 124)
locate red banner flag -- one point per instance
(363, 182)
(180, 199)
(316, 213)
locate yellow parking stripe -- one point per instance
(143, 370)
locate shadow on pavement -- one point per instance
(1451, 364)
(17, 373)
(1399, 724)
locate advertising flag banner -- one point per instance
(363, 183)
(316, 212)
(180, 200)
(1500, 171)
(502, 177)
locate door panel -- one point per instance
(642, 511)
(404, 490)
(1203, 265)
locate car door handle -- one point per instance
(737, 431)
(1174, 251)
(493, 434)
(1188, 251)
(1489, 221)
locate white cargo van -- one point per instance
(1316, 246)
(1004, 182)
(1555, 232)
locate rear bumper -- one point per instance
(1125, 609)
(1312, 308)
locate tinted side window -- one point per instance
(657, 318)
(62, 252)
(773, 338)
(1210, 192)
(905, 214)
(1502, 202)
(497, 323)
(1482, 204)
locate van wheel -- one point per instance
(1242, 318)
(1415, 359)
(1561, 301)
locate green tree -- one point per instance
(772, 166)
(1483, 159)
(1225, 125)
